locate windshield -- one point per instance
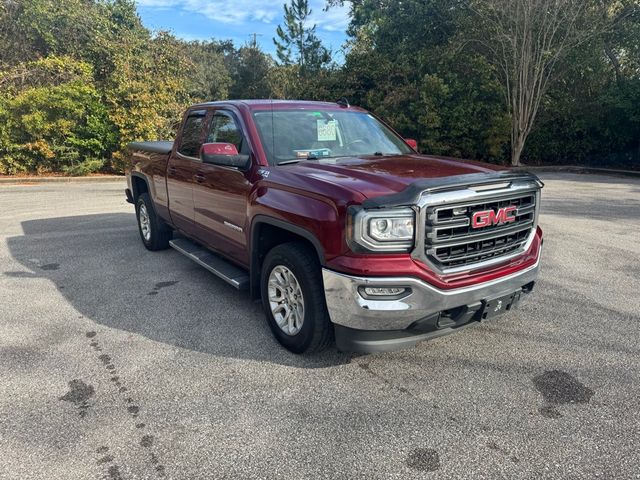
(289, 136)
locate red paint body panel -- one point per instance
(375, 176)
(220, 195)
(312, 195)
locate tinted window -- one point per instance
(191, 139)
(225, 130)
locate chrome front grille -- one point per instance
(452, 243)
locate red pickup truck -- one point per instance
(336, 223)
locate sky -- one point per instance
(238, 20)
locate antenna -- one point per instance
(343, 102)
(273, 133)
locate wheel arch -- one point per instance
(139, 185)
(268, 232)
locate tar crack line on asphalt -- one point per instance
(133, 409)
(160, 285)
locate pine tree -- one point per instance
(297, 43)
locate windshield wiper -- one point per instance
(296, 160)
(381, 154)
(313, 157)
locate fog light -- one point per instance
(382, 293)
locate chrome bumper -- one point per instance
(348, 308)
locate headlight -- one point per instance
(384, 230)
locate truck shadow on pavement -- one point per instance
(98, 263)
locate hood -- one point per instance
(373, 176)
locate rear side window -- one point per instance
(224, 129)
(191, 139)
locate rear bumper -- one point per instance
(366, 325)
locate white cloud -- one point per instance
(233, 11)
(241, 11)
(223, 11)
(335, 19)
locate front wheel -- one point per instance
(293, 298)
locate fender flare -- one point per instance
(143, 177)
(284, 225)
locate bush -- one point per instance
(63, 126)
(90, 165)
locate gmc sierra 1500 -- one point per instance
(340, 227)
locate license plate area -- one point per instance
(497, 306)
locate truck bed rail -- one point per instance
(153, 147)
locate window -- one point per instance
(295, 135)
(191, 139)
(225, 130)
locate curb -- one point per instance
(579, 169)
(32, 180)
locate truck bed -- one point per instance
(160, 146)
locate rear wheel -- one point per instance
(293, 298)
(154, 232)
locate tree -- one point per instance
(297, 42)
(148, 90)
(590, 114)
(405, 62)
(53, 119)
(250, 79)
(210, 80)
(526, 40)
(468, 78)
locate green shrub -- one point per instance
(90, 165)
(54, 128)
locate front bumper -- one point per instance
(425, 312)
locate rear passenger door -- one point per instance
(221, 192)
(182, 166)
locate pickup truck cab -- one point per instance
(336, 223)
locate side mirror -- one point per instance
(412, 143)
(225, 154)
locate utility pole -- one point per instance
(254, 42)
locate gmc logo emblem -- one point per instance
(487, 218)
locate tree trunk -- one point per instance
(517, 146)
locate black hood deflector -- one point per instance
(411, 195)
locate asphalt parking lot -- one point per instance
(120, 363)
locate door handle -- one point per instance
(200, 177)
(172, 170)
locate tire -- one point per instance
(316, 331)
(154, 233)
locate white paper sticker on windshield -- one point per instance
(327, 131)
